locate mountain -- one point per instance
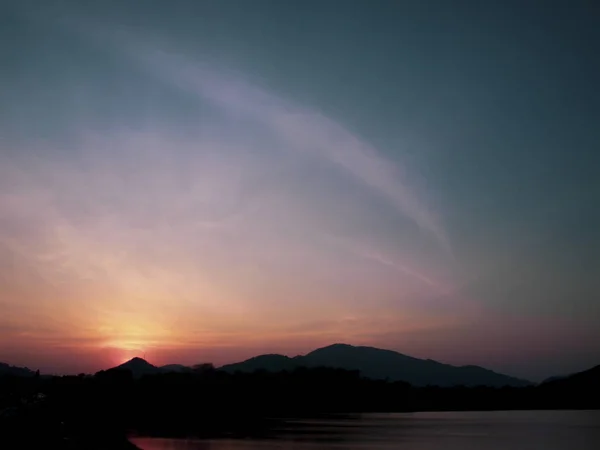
(5, 369)
(577, 391)
(178, 368)
(554, 378)
(377, 363)
(138, 367)
(270, 363)
(588, 380)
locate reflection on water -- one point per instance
(501, 430)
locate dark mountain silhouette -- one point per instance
(588, 380)
(577, 391)
(554, 378)
(379, 364)
(138, 367)
(5, 369)
(177, 368)
(270, 363)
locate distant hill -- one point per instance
(5, 369)
(554, 378)
(577, 391)
(588, 380)
(270, 363)
(138, 367)
(382, 364)
(178, 368)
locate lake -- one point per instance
(497, 430)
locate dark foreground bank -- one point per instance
(98, 412)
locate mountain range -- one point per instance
(379, 364)
(588, 380)
(373, 363)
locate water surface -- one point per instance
(498, 430)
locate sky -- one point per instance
(205, 181)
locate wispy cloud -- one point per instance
(400, 268)
(300, 128)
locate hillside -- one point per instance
(138, 367)
(588, 380)
(270, 363)
(5, 369)
(174, 368)
(377, 363)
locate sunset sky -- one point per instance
(209, 180)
